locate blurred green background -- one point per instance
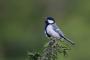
(22, 25)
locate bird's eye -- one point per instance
(50, 21)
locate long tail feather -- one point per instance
(69, 40)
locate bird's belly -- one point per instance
(51, 32)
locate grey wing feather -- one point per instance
(56, 28)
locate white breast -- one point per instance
(51, 32)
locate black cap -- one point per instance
(50, 18)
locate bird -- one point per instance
(53, 31)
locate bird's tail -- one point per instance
(68, 40)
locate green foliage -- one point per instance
(33, 56)
(51, 50)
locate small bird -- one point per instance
(53, 31)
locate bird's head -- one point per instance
(49, 20)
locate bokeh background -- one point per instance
(22, 25)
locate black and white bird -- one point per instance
(52, 30)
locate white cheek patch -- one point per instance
(50, 21)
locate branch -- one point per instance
(51, 50)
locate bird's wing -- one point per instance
(56, 29)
